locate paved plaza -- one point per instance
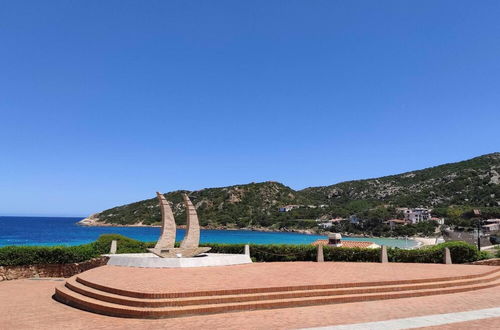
(274, 274)
(27, 304)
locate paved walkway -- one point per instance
(26, 304)
(421, 321)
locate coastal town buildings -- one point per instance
(329, 223)
(288, 208)
(416, 215)
(491, 225)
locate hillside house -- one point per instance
(416, 215)
(492, 225)
(288, 208)
(355, 220)
(439, 221)
(490, 228)
(329, 223)
(395, 222)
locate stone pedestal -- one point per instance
(319, 255)
(247, 249)
(150, 260)
(179, 252)
(447, 256)
(383, 254)
(113, 248)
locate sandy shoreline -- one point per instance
(424, 241)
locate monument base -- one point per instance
(179, 252)
(150, 260)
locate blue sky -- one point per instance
(104, 102)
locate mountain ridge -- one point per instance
(473, 182)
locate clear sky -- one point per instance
(105, 102)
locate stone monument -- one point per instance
(319, 256)
(383, 254)
(114, 246)
(447, 256)
(165, 247)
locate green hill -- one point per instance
(462, 185)
(471, 182)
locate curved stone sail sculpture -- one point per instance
(190, 244)
(192, 237)
(168, 229)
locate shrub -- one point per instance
(31, 255)
(424, 255)
(461, 252)
(124, 244)
(350, 254)
(269, 252)
(306, 252)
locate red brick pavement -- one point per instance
(260, 275)
(26, 304)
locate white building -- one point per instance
(492, 225)
(440, 221)
(329, 223)
(416, 215)
(288, 208)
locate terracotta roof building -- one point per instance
(349, 244)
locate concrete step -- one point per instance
(158, 295)
(70, 297)
(80, 288)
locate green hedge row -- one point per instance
(32, 255)
(461, 252)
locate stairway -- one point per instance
(94, 297)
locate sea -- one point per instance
(52, 231)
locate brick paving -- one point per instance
(26, 304)
(259, 275)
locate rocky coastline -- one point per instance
(93, 221)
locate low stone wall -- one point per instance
(488, 262)
(49, 270)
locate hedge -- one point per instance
(286, 252)
(32, 255)
(461, 252)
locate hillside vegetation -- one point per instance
(451, 189)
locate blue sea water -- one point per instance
(65, 231)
